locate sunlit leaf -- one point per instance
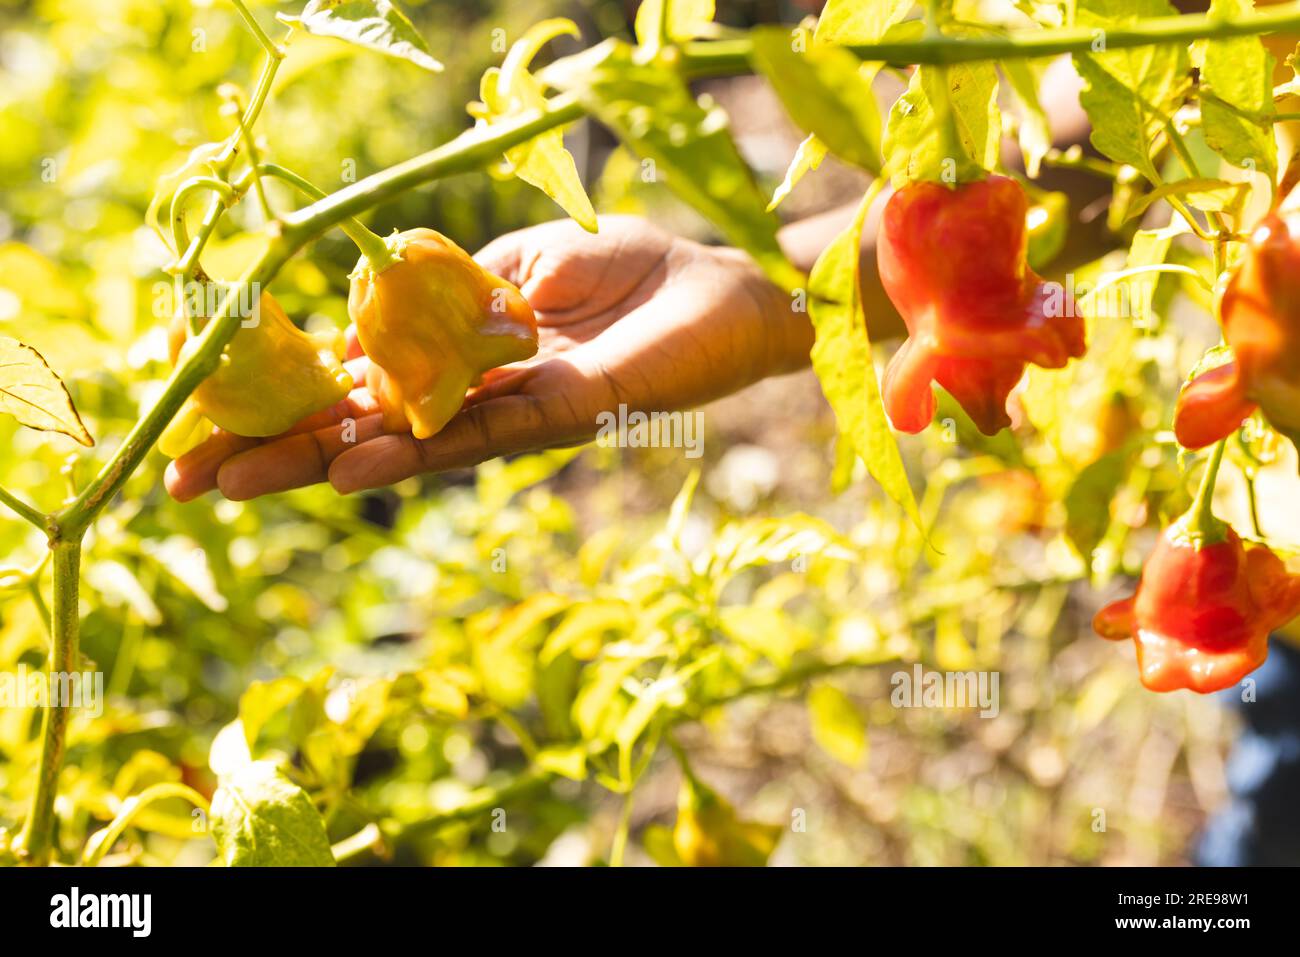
(860, 21)
(841, 357)
(1237, 75)
(807, 157)
(687, 19)
(374, 24)
(262, 819)
(655, 114)
(826, 92)
(34, 395)
(1129, 94)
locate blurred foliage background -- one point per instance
(483, 665)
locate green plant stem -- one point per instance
(256, 29)
(1202, 522)
(369, 838)
(189, 257)
(37, 835)
(1074, 158)
(723, 57)
(180, 235)
(22, 509)
(1252, 498)
(370, 243)
(102, 841)
(471, 150)
(619, 845)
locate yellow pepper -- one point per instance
(432, 322)
(272, 374)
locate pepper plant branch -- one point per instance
(372, 245)
(723, 57)
(38, 828)
(23, 509)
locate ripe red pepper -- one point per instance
(1261, 322)
(1203, 609)
(953, 261)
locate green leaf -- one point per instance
(1149, 248)
(374, 24)
(841, 357)
(658, 843)
(265, 699)
(1087, 503)
(767, 631)
(543, 161)
(262, 819)
(850, 22)
(1211, 195)
(586, 623)
(229, 751)
(1239, 71)
(1048, 224)
(33, 394)
(826, 91)
(1129, 94)
(687, 19)
(654, 113)
(807, 157)
(836, 725)
(1035, 132)
(770, 541)
(915, 146)
(568, 762)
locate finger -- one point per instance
(358, 403)
(293, 460)
(195, 472)
(501, 426)
(495, 383)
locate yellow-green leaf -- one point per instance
(34, 395)
(836, 725)
(841, 357)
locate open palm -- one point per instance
(631, 315)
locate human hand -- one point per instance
(631, 315)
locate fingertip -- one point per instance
(176, 486)
(235, 483)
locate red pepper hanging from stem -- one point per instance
(953, 261)
(1205, 605)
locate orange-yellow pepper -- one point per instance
(432, 322)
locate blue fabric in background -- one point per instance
(1260, 825)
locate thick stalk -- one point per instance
(724, 57)
(36, 841)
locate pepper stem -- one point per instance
(1201, 525)
(372, 246)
